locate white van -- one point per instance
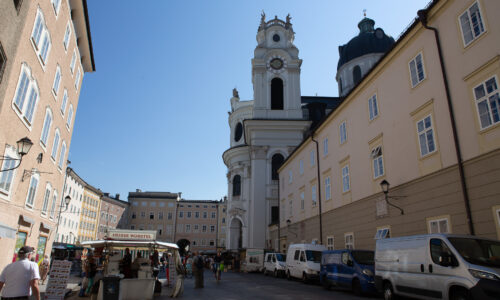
(438, 266)
(303, 261)
(274, 263)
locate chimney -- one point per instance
(316, 112)
(117, 196)
(138, 190)
(106, 194)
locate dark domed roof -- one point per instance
(367, 41)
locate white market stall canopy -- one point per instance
(129, 244)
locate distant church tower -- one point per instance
(264, 132)
(359, 55)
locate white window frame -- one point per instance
(8, 176)
(301, 167)
(56, 4)
(57, 81)
(26, 97)
(32, 189)
(487, 102)
(69, 120)
(290, 176)
(469, 24)
(46, 200)
(425, 133)
(383, 232)
(53, 205)
(377, 162)
(313, 195)
(47, 123)
(67, 36)
(343, 132)
(73, 62)
(312, 158)
(64, 102)
(77, 79)
(438, 222)
(62, 155)
(328, 188)
(55, 144)
(415, 72)
(325, 146)
(330, 242)
(346, 180)
(373, 107)
(349, 242)
(43, 43)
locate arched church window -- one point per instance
(276, 162)
(276, 93)
(356, 75)
(238, 132)
(236, 185)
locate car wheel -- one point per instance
(304, 277)
(275, 273)
(460, 294)
(389, 292)
(288, 275)
(356, 287)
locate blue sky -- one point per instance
(154, 114)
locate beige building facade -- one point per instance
(41, 72)
(89, 216)
(440, 152)
(67, 230)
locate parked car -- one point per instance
(303, 261)
(351, 269)
(274, 263)
(254, 260)
(438, 266)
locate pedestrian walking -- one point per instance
(90, 271)
(181, 272)
(20, 279)
(198, 269)
(44, 268)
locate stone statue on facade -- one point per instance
(288, 23)
(235, 93)
(262, 20)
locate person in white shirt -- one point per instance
(20, 278)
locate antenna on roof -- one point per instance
(364, 12)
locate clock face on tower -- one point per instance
(276, 63)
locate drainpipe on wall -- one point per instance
(319, 190)
(422, 15)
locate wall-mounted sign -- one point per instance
(132, 235)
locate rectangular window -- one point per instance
(325, 146)
(188, 227)
(77, 78)
(62, 155)
(417, 72)
(46, 199)
(373, 107)
(196, 227)
(290, 176)
(439, 226)
(213, 215)
(346, 185)
(342, 133)
(301, 167)
(426, 136)
(204, 228)
(26, 96)
(134, 215)
(53, 205)
(73, 62)
(313, 195)
(471, 23)
(3, 61)
(67, 34)
(378, 162)
(38, 30)
(313, 160)
(57, 81)
(30, 198)
(212, 228)
(181, 214)
(143, 214)
(55, 145)
(349, 240)
(383, 233)
(56, 4)
(330, 243)
(188, 215)
(46, 127)
(205, 215)
(488, 102)
(328, 191)
(197, 214)
(290, 207)
(6, 177)
(151, 215)
(302, 201)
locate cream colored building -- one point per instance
(153, 211)
(398, 124)
(89, 216)
(41, 72)
(67, 231)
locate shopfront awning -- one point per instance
(7, 232)
(25, 220)
(45, 227)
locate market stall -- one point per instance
(141, 244)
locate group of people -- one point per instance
(20, 279)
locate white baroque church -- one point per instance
(265, 130)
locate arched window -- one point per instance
(276, 162)
(276, 93)
(356, 74)
(236, 185)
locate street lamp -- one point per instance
(23, 147)
(385, 188)
(288, 222)
(67, 199)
